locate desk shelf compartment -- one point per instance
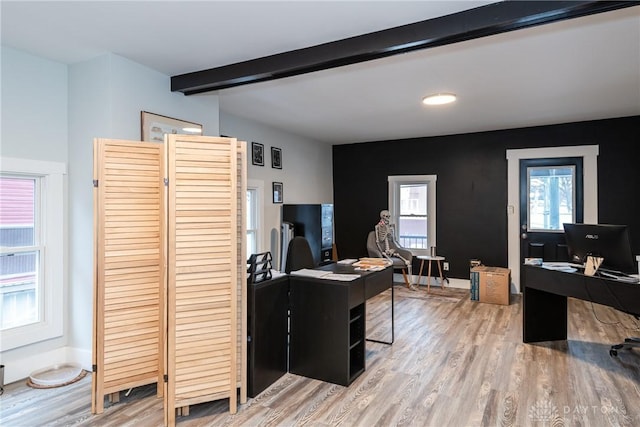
(357, 341)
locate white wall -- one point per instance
(51, 111)
(34, 126)
(34, 107)
(306, 172)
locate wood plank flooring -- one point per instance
(454, 363)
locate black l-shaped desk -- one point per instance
(545, 292)
(327, 339)
(327, 326)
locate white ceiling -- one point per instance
(582, 69)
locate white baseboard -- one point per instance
(20, 369)
(81, 356)
(435, 281)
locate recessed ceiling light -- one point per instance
(439, 99)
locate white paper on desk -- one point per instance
(371, 268)
(347, 261)
(307, 272)
(341, 277)
(327, 275)
(275, 274)
(628, 279)
(559, 266)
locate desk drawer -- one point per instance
(377, 282)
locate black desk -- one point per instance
(267, 333)
(328, 323)
(544, 299)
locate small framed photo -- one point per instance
(277, 192)
(276, 158)
(257, 154)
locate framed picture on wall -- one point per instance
(277, 192)
(276, 158)
(257, 154)
(153, 127)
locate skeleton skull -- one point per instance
(385, 216)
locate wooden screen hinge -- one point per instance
(166, 182)
(165, 377)
(94, 368)
(95, 183)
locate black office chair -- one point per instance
(298, 255)
(631, 342)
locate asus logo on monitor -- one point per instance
(591, 236)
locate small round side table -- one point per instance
(429, 259)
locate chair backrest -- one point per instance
(372, 247)
(299, 255)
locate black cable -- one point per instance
(619, 305)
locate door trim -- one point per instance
(589, 153)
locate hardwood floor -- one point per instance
(454, 363)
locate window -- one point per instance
(254, 217)
(31, 251)
(20, 276)
(252, 222)
(551, 197)
(412, 203)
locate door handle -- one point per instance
(524, 236)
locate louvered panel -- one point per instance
(128, 303)
(119, 327)
(130, 267)
(133, 277)
(141, 366)
(241, 223)
(123, 337)
(202, 271)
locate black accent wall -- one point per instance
(472, 184)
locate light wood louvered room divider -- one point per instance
(170, 270)
(241, 222)
(129, 266)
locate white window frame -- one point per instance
(258, 186)
(52, 204)
(394, 205)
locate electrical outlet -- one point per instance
(445, 266)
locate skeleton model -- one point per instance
(387, 244)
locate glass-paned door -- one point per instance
(551, 194)
(551, 191)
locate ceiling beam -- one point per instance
(483, 21)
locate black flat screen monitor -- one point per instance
(608, 241)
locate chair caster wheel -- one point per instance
(613, 353)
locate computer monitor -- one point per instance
(608, 241)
